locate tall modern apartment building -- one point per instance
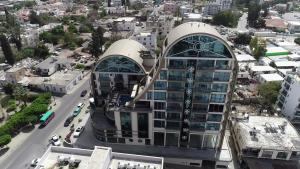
(174, 105)
(289, 99)
(212, 7)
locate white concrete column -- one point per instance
(118, 123)
(134, 125)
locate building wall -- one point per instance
(149, 40)
(289, 98)
(214, 6)
(125, 26)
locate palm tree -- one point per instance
(21, 94)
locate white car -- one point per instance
(81, 105)
(78, 131)
(34, 162)
(55, 140)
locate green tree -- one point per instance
(21, 93)
(5, 139)
(253, 13)
(25, 53)
(41, 51)
(297, 41)
(13, 29)
(226, 18)
(72, 28)
(243, 39)
(35, 19)
(258, 47)
(6, 49)
(269, 92)
(8, 89)
(97, 42)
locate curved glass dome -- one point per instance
(199, 46)
(119, 64)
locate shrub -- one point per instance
(11, 107)
(32, 97)
(32, 119)
(5, 101)
(79, 66)
(5, 139)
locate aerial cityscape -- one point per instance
(149, 84)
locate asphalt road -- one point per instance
(36, 145)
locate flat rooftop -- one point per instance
(99, 158)
(261, 68)
(273, 133)
(271, 77)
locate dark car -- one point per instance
(68, 121)
(83, 93)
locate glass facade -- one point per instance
(219, 87)
(143, 125)
(119, 64)
(159, 95)
(160, 85)
(222, 76)
(126, 124)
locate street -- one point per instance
(36, 145)
(241, 27)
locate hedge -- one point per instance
(28, 115)
(4, 139)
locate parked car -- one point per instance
(68, 121)
(83, 93)
(81, 105)
(34, 162)
(78, 131)
(76, 111)
(55, 140)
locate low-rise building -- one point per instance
(146, 37)
(212, 7)
(99, 158)
(294, 26)
(185, 9)
(171, 7)
(125, 23)
(288, 100)
(277, 25)
(273, 77)
(163, 23)
(256, 70)
(15, 74)
(265, 138)
(51, 65)
(61, 82)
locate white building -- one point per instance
(273, 77)
(61, 82)
(148, 38)
(212, 7)
(115, 10)
(256, 70)
(171, 7)
(99, 158)
(163, 23)
(185, 9)
(265, 138)
(30, 37)
(294, 26)
(51, 65)
(125, 23)
(289, 98)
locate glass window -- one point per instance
(213, 126)
(216, 108)
(163, 75)
(159, 105)
(209, 141)
(159, 95)
(202, 87)
(159, 139)
(104, 77)
(214, 117)
(175, 86)
(219, 87)
(126, 124)
(196, 117)
(176, 75)
(282, 155)
(159, 115)
(174, 107)
(143, 125)
(218, 98)
(173, 125)
(205, 64)
(223, 64)
(267, 154)
(195, 141)
(222, 76)
(200, 108)
(177, 64)
(173, 116)
(197, 126)
(160, 85)
(159, 123)
(201, 98)
(172, 139)
(149, 95)
(204, 76)
(175, 96)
